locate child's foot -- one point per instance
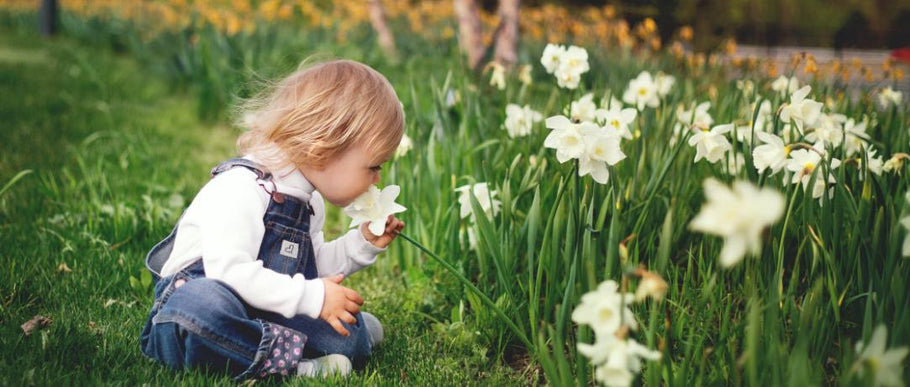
(325, 366)
(373, 327)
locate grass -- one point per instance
(115, 155)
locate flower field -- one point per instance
(615, 209)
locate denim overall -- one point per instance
(197, 322)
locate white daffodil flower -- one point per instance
(894, 164)
(610, 102)
(856, 136)
(885, 365)
(889, 97)
(575, 60)
(583, 109)
(601, 148)
(404, 146)
(498, 75)
(772, 154)
(565, 137)
(873, 162)
(524, 74)
(605, 309)
(802, 164)
(739, 216)
(617, 119)
(642, 91)
(617, 360)
(664, 83)
(695, 118)
(829, 130)
(805, 112)
(375, 206)
(485, 197)
(783, 85)
(711, 145)
(520, 120)
(552, 57)
(567, 64)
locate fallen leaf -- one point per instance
(34, 323)
(63, 268)
(109, 302)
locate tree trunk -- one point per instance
(507, 40)
(470, 31)
(47, 18)
(378, 20)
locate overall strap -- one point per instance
(261, 174)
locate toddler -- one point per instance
(246, 282)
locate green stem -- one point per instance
(476, 291)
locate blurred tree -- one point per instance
(378, 20)
(507, 33)
(470, 31)
(47, 18)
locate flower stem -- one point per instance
(469, 285)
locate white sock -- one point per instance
(374, 327)
(325, 366)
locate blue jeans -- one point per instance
(197, 322)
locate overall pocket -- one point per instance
(283, 247)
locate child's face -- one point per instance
(344, 179)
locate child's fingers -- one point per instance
(336, 278)
(352, 307)
(348, 318)
(354, 296)
(336, 324)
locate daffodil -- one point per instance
(497, 76)
(884, 366)
(520, 120)
(855, 136)
(873, 162)
(828, 130)
(616, 360)
(583, 109)
(601, 148)
(524, 74)
(375, 206)
(803, 111)
(485, 197)
(552, 57)
(772, 154)
(567, 64)
(695, 118)
(404, 146)
(566, 137)
(664, 83)
(738, 215)
(642, 91)
(783, 85)
(803, 163)
(617, 119)
(889, 97)
(761, 124)
(711, 145)
(605, 309)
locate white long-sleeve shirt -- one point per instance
(224, 226)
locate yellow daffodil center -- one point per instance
(642, 91)
(787, 150)
(615, 124)
(606, 314)
(808, 168)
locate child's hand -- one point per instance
(341, 304)
(393, 226)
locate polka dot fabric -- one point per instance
(285, 352)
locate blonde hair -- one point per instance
(318, 112)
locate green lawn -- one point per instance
(114, 156)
